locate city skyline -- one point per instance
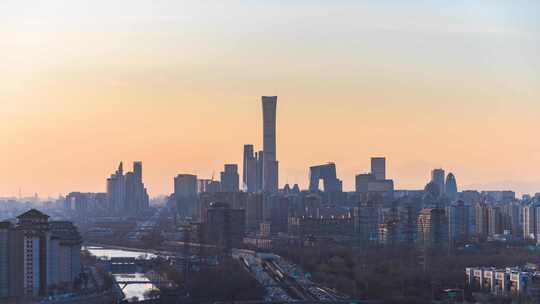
(305, 183)
(177, 85)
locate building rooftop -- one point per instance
(32, 213)
(5, 225)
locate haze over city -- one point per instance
(177, 85)
(258, 152)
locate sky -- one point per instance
(177, 85)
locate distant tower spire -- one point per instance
(121, 168)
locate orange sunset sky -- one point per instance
(177, 85)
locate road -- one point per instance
(283, 281)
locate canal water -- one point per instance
(131, 291)
(108, 253)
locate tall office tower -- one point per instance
(451, 187)
(437, 177)
(131, 198)
(226, 226)
(458, 221)
(116, 191)
(36, 236)
(142, 200)
(126, 194)
(270, 164)
(249, 177)
(185, 185)
(137, 171)
(481, 219)
(362, 182)
(229, 179)
(329, 176)
(432, 228)
(375, 182)
(259, 171)
(378, 168)
(185, 194)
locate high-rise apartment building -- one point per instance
(432, 228)
(64, 254)
(531, 221)
(481, 219)
(36, 254)
(34, 227)
(11, 262)
(458, 221)
(495, 221)
(5, 228)
(512, 218)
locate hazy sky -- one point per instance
(177, 84)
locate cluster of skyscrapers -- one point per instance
(126, 194)
(375, 181)
(38, 256)
(375, 213)
(261, 169)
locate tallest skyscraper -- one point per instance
(270, 164)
